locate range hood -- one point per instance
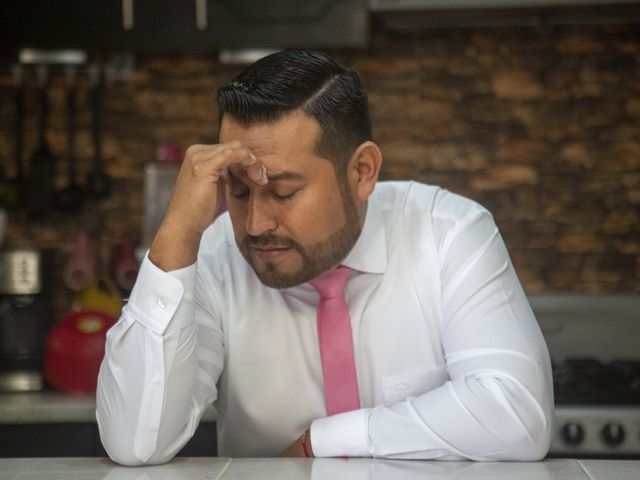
(433, 14)
(389, 5)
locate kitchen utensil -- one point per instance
(74, 349)
(102, 295)
(81, 262)
(18, 180)
(98, 182)
(71, 197)
(39, 181)
(124, 264)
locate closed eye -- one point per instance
(239, 194)
(285, 197)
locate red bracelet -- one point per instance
(303, 440)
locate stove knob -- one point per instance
(572, 433)
(612, 434)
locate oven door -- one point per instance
(593, 343)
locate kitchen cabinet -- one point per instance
(65, 24)
(182, 25)
(82, 440)
(52, 424)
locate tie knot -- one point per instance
(331, 285)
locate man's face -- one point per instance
(304, 221)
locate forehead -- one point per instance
(280, 144)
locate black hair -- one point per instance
(290, 80)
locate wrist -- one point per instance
(305, 441)
(173, 248)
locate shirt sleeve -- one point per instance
(156, 380)
(498, 401)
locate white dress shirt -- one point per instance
(450, 360)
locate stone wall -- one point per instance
(541, 125)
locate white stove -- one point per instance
(594, 342)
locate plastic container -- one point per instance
(159, 179)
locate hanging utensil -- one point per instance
(98, 182)
(39, 180)
(18, 180)
(71, 197)
(81, 261)
(8, 190)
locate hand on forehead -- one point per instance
(249, 168)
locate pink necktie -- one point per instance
(336, 344)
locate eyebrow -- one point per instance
(285, 176)
(273, 178)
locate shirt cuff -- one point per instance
(163, 301)
(342, 435)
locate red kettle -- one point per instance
(74, 349)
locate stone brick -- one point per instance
(505, 176)
(634, 196)
(408, 155)
(549, 121)
(628, 247)
(388, 73)
(620, 222)
(398, 106)
(587, 89)
(523, 150)
(631, 179)
(451, 157)
(622, 158)
(453, 88)
(576, 155)
(563, 271)
(605, 269)
(576, 43)
(436, 112)
(587, 242)
(633, 106)
(516, 85)
(486, 109)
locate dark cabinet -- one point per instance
(83, 440)
(183, 24)
(64, 24)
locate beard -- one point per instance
(316, 258)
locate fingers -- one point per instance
(214, 160)
(255, 169)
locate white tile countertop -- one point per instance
(315, 469)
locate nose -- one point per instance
(259, 218)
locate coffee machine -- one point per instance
(25, 317)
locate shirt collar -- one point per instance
(369, 254)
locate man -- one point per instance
(443, 358)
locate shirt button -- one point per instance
(155, 379)
(402, 386)
(188, 297)
(161, 303)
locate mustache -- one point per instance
(269, 240)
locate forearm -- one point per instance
(479, 416)
(131, 401)
(150, 368)
(174, 247)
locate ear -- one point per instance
(363, 170)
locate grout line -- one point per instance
(584, 469)
(224, 469)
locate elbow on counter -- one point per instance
(531, 422)
(122, 444)
(123, 451)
